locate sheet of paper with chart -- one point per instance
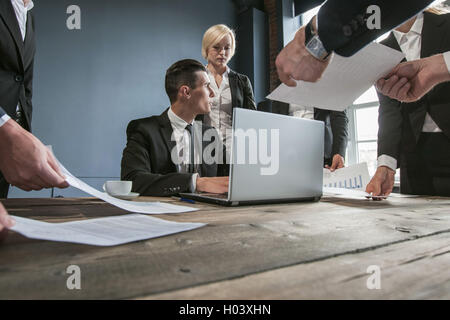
(351, 182)
(109, 231)
(344, 80)
(352, 177)
(132, 206)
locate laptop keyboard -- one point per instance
(215, 195)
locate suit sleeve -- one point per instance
(136, 167)
(339, 127)
(343, 27)
(2, 112)
(249, 99)
(302, 6)
(389, 127)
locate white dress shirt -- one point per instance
(183, 143)
(3, 119)
(299, 111)
(21, 14)
(221, 108)
(411, 44)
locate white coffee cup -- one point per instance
(118, 188)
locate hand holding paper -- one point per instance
(344, 80)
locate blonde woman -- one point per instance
(231, 89)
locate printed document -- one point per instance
(344, 80)
(109, 231)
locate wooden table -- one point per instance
(291, 251)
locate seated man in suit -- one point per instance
(164, 154)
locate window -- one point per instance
(363, 130)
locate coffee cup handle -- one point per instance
(104, 188)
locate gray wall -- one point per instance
(90, 83)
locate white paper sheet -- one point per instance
(108, 231)
(352, 177)
(132, 206)
(358, 194)
(346, 193)
(344, 80)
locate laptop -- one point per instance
(274, 159)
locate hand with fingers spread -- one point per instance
(382, 182)
(25, 162)
(410, 81)
(337, 163)
(6, 222)
(295, 62)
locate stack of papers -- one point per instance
(132, 206)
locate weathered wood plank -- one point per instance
(237, 242)
(418, 269)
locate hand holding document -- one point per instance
(109, 231)
(344, 80)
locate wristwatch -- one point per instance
(313, 44)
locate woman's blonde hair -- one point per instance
(214, 35)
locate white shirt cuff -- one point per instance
(388, 161)
(447, 60)
(4, 119)
(194, 182)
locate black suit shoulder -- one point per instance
(343, 28)
(143, 124)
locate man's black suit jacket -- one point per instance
(147, 159)
(400, 124)
(341, 25)
(16, 62)
(336, 132)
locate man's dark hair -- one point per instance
(182, 73)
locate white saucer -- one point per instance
(129, 196)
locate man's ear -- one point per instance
(184, 92)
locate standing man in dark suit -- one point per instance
(336, 128)
(17, 48)
(24, 160)
(342, 28)
(416, 136)
(168, 154)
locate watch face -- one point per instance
(314, 44)
(315, 47)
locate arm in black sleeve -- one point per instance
(342, 27)
(136, 167)
(339, 127)
(302, 6)
(249, 99)
(389, 127)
